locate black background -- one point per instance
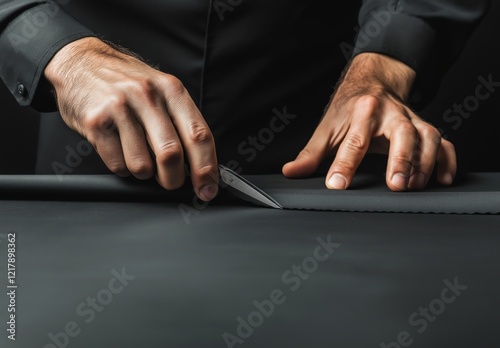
(477, 139)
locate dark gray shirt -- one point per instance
(246, 63)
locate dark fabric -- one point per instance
(472, 193)
(193, 281)
(94, 187)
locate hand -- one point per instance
(125, 107)
(368, 113)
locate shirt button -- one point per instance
(21, 90)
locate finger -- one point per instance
(165, 144)
(198, 142)
(446, 163)
(104, 136)
(323, 142)
(403, 139)
(353, 148)
(425, 155)
(135, 148)
(167, 149)
(148, 101)
(309, 159)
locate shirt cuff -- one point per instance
(27, 44)
(408, 39)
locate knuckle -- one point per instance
(355, 142)
(116, 103)
(432, 134)
(208, 171)
(99, 122)
(170, 154)
(367, 103)
(173, 85)
(103, 117)
(141, 87)
(403, 159)
(408, 129)
(141, 167)
(344, 166)
(199, 133)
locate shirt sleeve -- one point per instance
(31, 33)
(427, 35)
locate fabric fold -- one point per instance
(473, 193)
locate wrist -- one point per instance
(59, 69)
(381, 71)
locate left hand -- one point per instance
(368, 114)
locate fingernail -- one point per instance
(337, 182)
(447, 178)
(399, 180)
(418, 181)
(208, 192)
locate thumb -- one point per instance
(309, 158)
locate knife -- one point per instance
(244, 189)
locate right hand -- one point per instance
(368, 113)
(124, 107)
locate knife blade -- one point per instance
(245, 189)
